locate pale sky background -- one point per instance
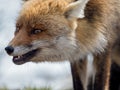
(56, 75)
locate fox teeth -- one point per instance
(19, 57)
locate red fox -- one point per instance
(52, 30)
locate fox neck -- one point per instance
(89, 38)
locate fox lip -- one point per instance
(18, 60)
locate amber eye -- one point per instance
(36, 31)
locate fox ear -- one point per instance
(76, 9)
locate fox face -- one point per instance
(42, 34)
(50, 39)
(46, 31)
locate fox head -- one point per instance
(46, 31)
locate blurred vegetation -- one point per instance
(36, 88)
(26, 88)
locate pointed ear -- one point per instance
(76, 9)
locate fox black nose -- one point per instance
(9, 49)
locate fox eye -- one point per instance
(36, 31)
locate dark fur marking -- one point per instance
(77, 84)
(90, 84)
(115, 77)
(92, 11)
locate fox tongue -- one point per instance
(18, 60)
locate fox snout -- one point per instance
(9, 49)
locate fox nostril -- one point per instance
(9, 49)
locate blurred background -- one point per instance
(56, 76)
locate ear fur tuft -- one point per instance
(76, 9)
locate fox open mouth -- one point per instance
(24, 58)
